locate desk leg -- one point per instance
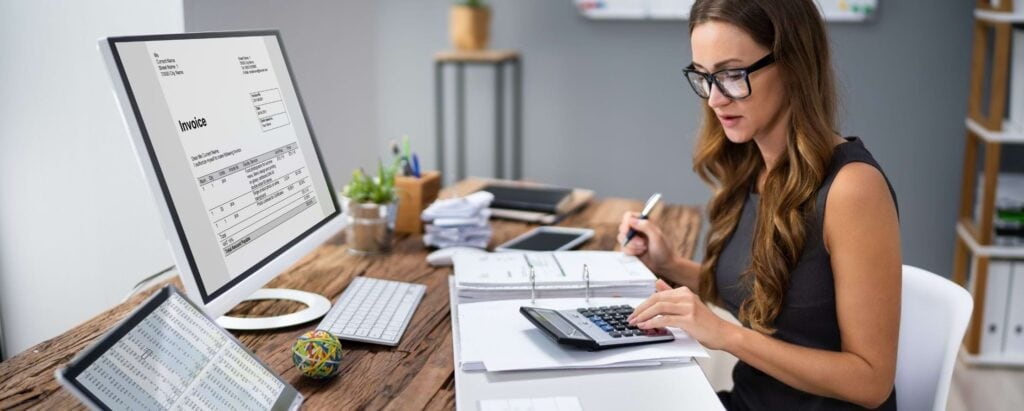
(517, 120)
(439, 115)
(499, 120)
(460, 121)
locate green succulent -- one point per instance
(366, 189)
(470, 3)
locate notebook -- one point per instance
(544, 199)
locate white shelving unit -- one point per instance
(992, 16)
(988, 131)
(1004, 137)
(990, 251)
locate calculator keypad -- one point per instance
(614, 321)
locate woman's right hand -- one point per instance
(648, 244)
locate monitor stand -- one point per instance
(316, 306)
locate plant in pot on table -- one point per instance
(370, 205)
(469, 24)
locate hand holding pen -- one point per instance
(646, 241)
(648, 207)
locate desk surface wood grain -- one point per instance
(417, 374)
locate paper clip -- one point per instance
(586, 281)
(533, 286)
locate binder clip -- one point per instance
(586, 283)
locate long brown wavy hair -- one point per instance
(794, 31)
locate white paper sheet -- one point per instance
(532, 404)
(496, 337)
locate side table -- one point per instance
(498, 59)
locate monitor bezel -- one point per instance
(219, 301)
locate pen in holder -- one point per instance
(415, 194)
(586, 283)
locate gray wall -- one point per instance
(605, 106)
(330, 46)
(78, 226)
(604, 103)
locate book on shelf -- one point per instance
(1008, 220)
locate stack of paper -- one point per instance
(494, 336)
(455, 222)
(503, 276)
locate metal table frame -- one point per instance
(499, 60)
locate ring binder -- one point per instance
(533, 286)
(586, 281)
(543, 275)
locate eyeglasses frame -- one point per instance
(712, 80)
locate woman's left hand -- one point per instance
(682, 308)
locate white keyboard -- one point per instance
(373, 310)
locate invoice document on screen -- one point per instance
(244, 141)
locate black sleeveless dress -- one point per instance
(808, 316)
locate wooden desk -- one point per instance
(416, 374)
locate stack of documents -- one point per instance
(504, 276)
(459, 222)
(494, 336)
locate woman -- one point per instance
(803, 245)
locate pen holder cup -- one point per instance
(415, 194)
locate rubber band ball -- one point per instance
(317, 354)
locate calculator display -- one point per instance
(556, 321)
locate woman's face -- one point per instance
(718, 46)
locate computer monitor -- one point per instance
(223, 139)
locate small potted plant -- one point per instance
(370, 205)
(469, 24)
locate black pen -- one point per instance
(648, 207)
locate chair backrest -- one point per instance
(934, 316)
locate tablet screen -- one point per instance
(543, 241)
(169, 355)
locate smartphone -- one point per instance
(548, 239)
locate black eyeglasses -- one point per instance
(733, 83)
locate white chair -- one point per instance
(934, 316)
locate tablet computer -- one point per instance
(168, 354)
(548, 239)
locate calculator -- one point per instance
(594, 328)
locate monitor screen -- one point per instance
(233, 153)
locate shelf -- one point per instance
(992, 251)
(999, 16)
(476, 56)
(989, 136)
(1013, 360)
